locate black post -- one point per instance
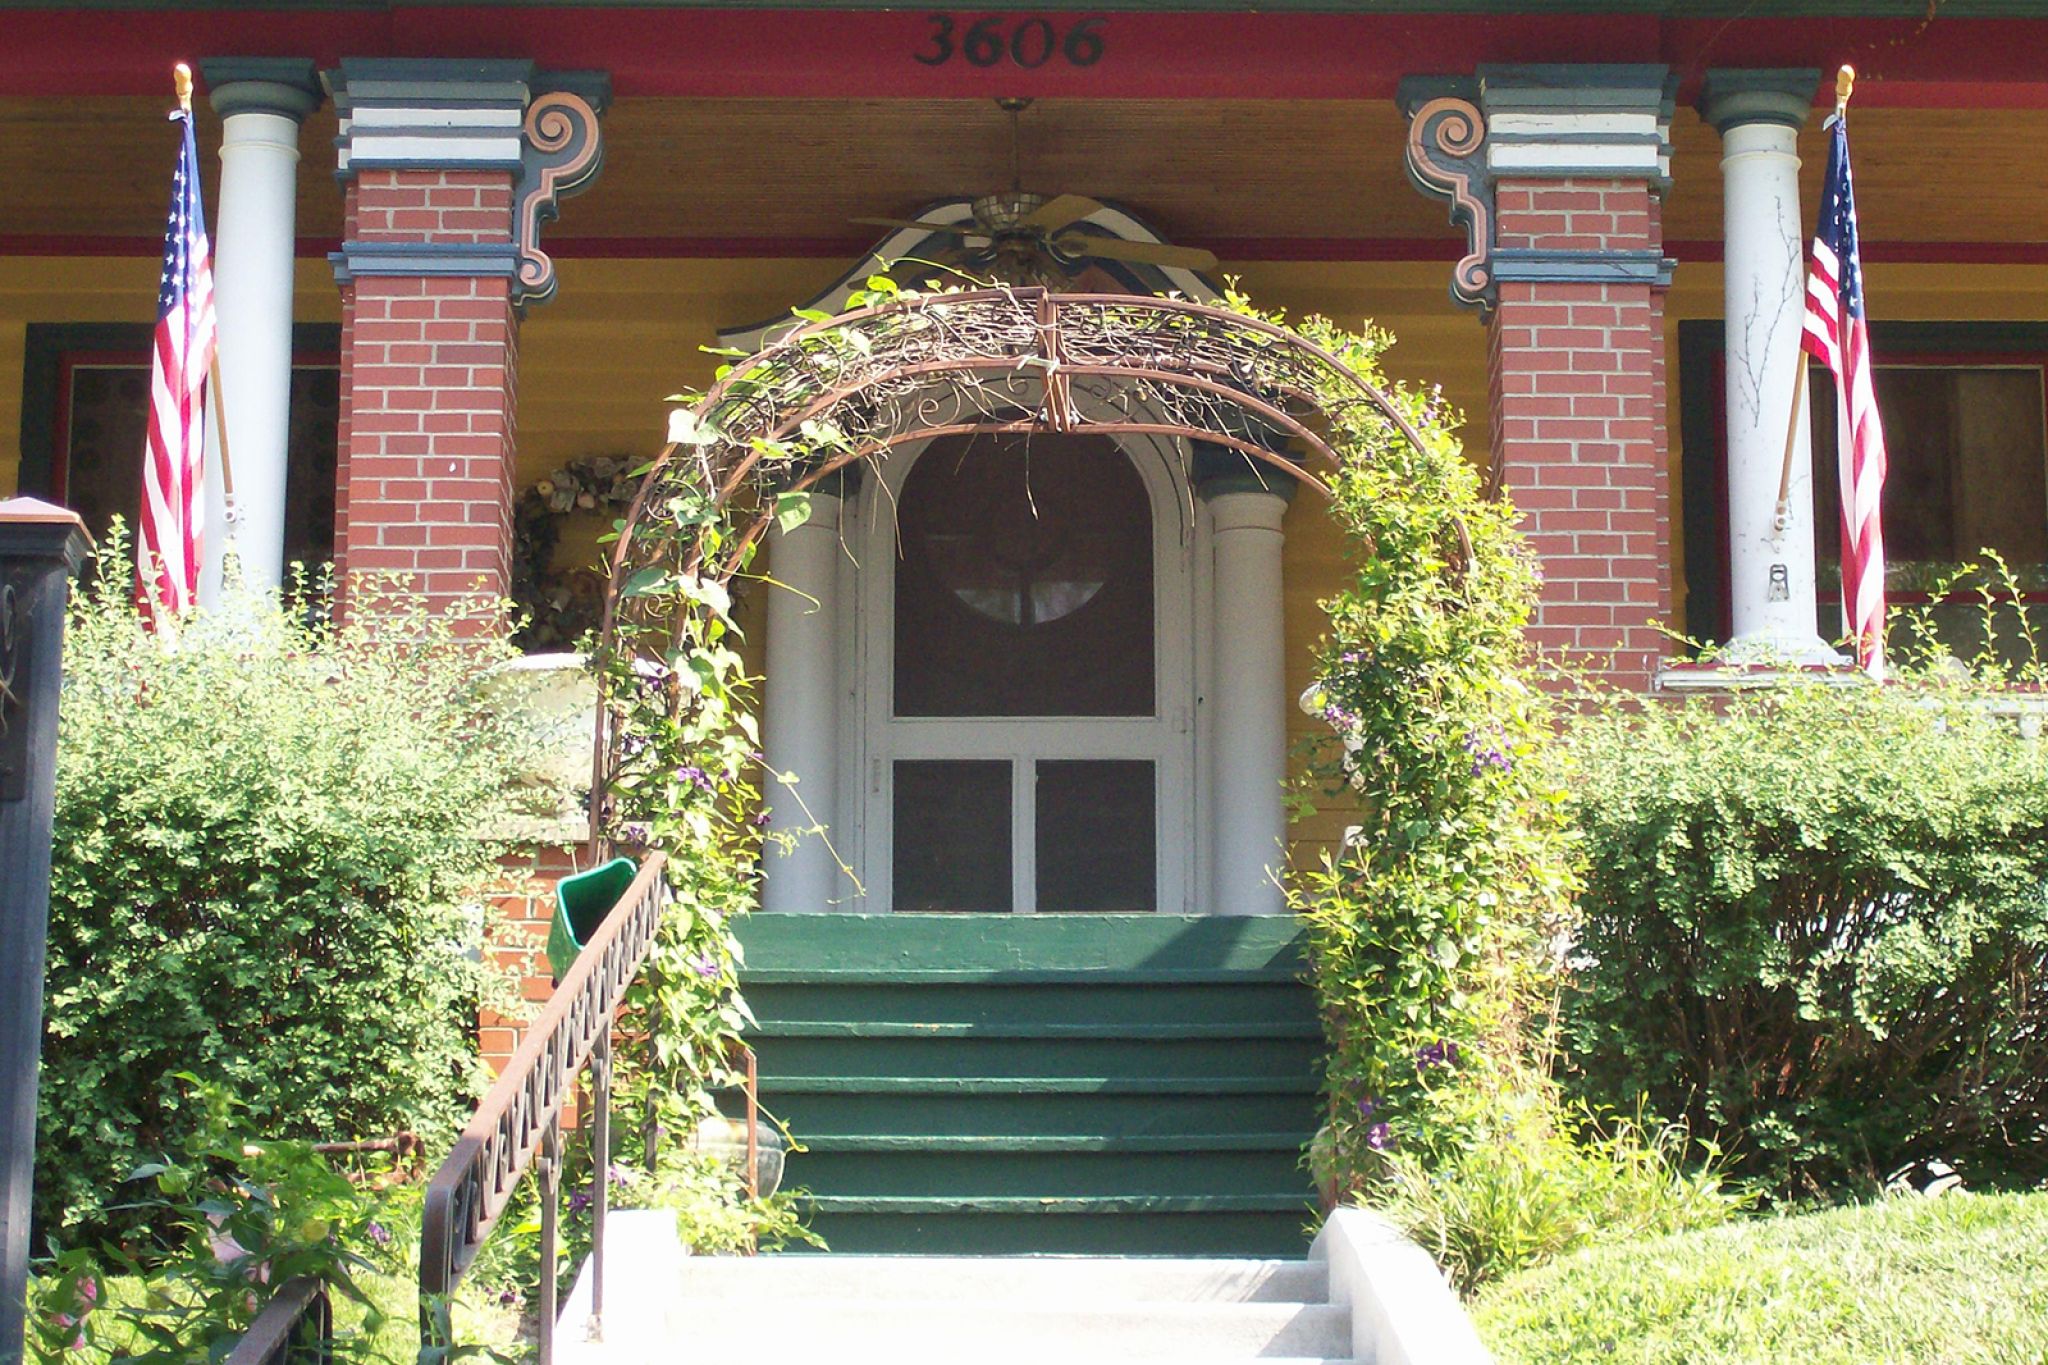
(40, 547)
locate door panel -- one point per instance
(1096, 835)
(1026, 662)
(952, 835)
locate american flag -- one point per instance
(174, 462)
(1837, 335)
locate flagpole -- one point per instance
(181, 81)
(1845, 83)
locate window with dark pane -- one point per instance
(1096, 842)
(1025, 581)
(952, 836)
(1967, 465)
(102, 424)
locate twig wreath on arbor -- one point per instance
(1455, 862)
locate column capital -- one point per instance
(541, 128)
(1561, 121)
(412, 113)
(288, 87)
(1735, 95)
(1248, 509)
(1220, 470)
(1529, 125)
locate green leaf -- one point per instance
(792, 510)
(644, 582)
(686, 428)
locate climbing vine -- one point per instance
(1432, 924)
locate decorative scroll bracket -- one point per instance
(1446, 159)
(561, 152)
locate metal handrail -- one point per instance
(297, 1325)
(519, 1123)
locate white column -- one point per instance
(1771, 568)
(800, 712)
(260, 103)
(1249, 817)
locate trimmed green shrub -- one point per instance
(1815, 924)
(264, 843)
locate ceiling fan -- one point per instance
(1028, 238)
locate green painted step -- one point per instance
(1029, 947)
(971, 1174)
(1054, 1142)
(1049, 1206)
(1068, 1002)
(1042, 1114)
(1038, 1085)
(866, 1028)
(1021, 1058)
(956, 1079)
(1124, 1233)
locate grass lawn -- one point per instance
(1960, 1280)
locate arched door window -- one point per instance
(1028, 740)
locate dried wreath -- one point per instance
(559, 606)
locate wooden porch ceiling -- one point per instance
(784, 177)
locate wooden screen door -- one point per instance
(1026, 660)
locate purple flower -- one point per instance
(705, 966)
(1436, 1054)
(508, 1297)
(579, 1201)
(1486, 753)
(379, 1234)
(1367, 1107)
(650, 676)
(1379, 1137)
(633, 832)
(696, 776)
(621, 1176)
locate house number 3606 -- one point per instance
(1028, 43)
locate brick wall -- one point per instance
(525, 903)
(429, 370)
(1578, 425)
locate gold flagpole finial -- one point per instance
(181, 81)
(1845, 84)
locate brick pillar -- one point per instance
(449, 169)
(1578, 425)
(429, 374)
(1557, 173)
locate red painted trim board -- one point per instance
(818, 54)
